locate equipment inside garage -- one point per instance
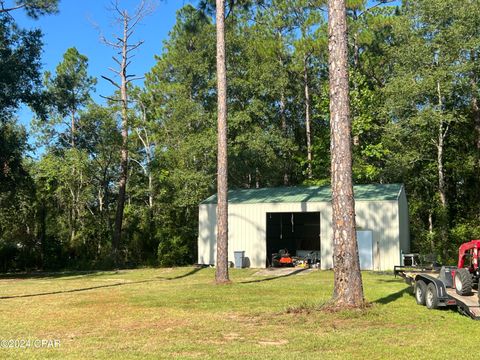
(300, 219)
(293, 237)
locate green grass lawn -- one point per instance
(180, 313)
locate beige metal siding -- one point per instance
(247, 230)
(207, 234)
(247, 233)
(326, 236)
(404, 223)
(382, 218)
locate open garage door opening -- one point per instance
(297, 232)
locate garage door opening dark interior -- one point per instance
(295, 231)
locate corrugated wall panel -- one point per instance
(326, 245)
(247, 230)
(404, 223)
(247, 233)
(207, 234)
(382, 219)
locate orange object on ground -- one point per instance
(285, 260)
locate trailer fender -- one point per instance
(439, 286)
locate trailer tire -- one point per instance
(431, 297)
(463, 282)
(420, 291)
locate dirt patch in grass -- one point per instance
(283, 271)
(248, 321)
(163, 325)
(233, 337)
(303, 308)
(327, 307)
(273, 342)
(331, 307)
(212, 342)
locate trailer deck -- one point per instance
(467, 304)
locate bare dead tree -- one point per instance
(145, 136)
(308, 130)
(124, 48)
(348, 288)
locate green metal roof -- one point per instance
(371, 192)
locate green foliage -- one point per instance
(172, 251)
(68, 92)
(428, 97)
(8, 254)
(33, 8)
(415, 119)
(19, 67)
(19, 248)
(36, 8)
(466, 230)
(71, 86)
(12, 146)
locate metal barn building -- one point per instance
(263, 221)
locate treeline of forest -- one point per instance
(415, 100)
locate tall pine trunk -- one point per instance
(442, 185)
(442, 134)
(283, 117)
(221, 273)
(476, 119)
(348, 288)
(307, 117)
(72, 130)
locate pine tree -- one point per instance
(221, 273)
(348, 288)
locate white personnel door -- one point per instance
(365, 249)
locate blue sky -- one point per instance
(75, 26)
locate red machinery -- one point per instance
(448, 285)
(282, 258)
(467, 273)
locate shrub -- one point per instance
(173, 251)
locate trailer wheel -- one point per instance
(420, 291)
(463, 281)
(431, 298)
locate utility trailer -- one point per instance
(434, 288)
